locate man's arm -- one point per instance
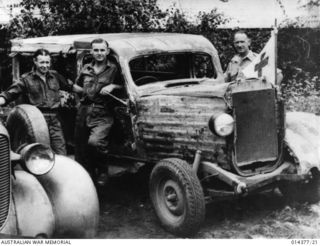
(12, 92)
(115, 82)
(232, 69)
(64, 84)
(78, 85)
(68, 85)
(109, 88)
(77, 89)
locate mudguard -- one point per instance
(303, 139)
(10, 226)
(74, 199)
(31, 211)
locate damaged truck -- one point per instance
(205, 139)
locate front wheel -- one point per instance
(177, 197)
(303, 192)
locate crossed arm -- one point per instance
(109, 88)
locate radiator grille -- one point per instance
(256, 138)
(4, 178)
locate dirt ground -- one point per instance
(126, 213)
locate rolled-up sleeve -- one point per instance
(14, 91)
(63, 82)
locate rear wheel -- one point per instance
(177, 197)
(303, 192)
(26, 125)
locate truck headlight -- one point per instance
(38, 158)
(221, 124)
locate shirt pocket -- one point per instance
(34, 92)
(34, 86)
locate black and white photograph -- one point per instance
(159, 119)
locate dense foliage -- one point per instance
(85, 16)
(106, 16)
(301, 90)
(299, 59)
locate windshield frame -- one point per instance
(189, 66)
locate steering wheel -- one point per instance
(145, 79)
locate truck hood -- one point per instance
(303, 139)
(196, 88)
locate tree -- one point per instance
(85, 16)
(311, 3)
(58, 17)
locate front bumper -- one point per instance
(247, 185)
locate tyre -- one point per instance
(26, 124)
(177, 197)
(302, 192)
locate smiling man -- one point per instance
(243, 57)
(94, 119)
(40, 87)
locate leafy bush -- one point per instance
(299, 59)
(301, 90)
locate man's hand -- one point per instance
(77, 89)
(109, 88)
(234, 69)
(2, 101)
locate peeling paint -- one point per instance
(181, 131)
(166, 110)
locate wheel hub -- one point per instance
(173, 197)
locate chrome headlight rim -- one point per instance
(221, 124)
(38, 159)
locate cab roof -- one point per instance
(126, 45)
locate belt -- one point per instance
(49, 111)
(93, 105)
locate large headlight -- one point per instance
(221, 124)
(38, 158)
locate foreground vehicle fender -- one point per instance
(302, 138)
(34, 211)
(10, 226)
(74, 199)
(68, 186)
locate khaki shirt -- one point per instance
(35, 91)
(92, 83)
(237, 64)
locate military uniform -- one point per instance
(46, 97)
(94, 117)
(238, 63)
